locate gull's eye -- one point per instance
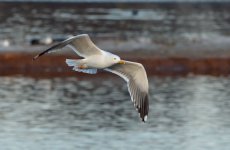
(114, 58)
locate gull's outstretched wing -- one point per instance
(135, 76)
(81, 44)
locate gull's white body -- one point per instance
(94, 58)
(99, 60)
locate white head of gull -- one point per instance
(94, 58)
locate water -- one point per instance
(73, 113)
(126, 1)
(164, 23)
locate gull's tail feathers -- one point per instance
(76, 63)
(72, 62)
(89, 71)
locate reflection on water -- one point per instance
(185, 114)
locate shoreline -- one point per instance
(52, 65)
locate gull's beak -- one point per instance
(121, 62)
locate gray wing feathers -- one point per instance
(81, 44)
(84, 46)
(136, 78)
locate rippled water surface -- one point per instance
(65, 114)
(23, 22)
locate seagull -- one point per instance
(94, 58)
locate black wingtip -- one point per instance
(35, 57)
(144, 119)
(145, 109)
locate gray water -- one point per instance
(189, 113)
(143, 1)
(166, 24)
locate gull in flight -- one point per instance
(94, 58)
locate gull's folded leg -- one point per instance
(82, 67)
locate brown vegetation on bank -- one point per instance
(13, 64)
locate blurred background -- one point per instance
(183, 44)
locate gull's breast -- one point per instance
(97, 61)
